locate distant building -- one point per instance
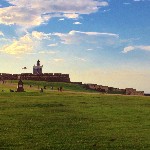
(37, 70)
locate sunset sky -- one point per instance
(95, 41)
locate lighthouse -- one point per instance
(37, 70)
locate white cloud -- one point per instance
(80, 59)
(71, 15)
(34, 13)
(5, 40)
(107, 10)
(40, 35)
(58, 60)
(136, 0)
(77, 37)
(126, 3)
(131, 48)
(31, 53)
(61, 19)
(48, 52)
(89, 49)
(77, 23)
(128, 49)
(53, 45)
(145, 48)
(1, 33)
(23, 45)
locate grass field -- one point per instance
(74, 119)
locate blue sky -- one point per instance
(96, 41)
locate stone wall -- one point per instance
(131, 91)
(112, 90)
(96, 87)
(56, 77)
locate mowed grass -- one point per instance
(73, 121)
(40, 84)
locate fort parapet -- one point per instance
(112, 90)
(37, 75)
(50, 77)
(131, 91)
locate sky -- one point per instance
(106, 42)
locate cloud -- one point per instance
(48, 52)
(107, 10)
(126, 3)
(80, 59)
(138, 0)
(1, 33)
(32, 41)
(23, 45)
(53, 45)
(131, 48)
(77, 23)
(77, 37)
(58, 60)
(71, 16)
(4, 40)
(61, 19)
(89, 49)
(34, 13)
(40, 35)
(128, 49)
(30, 53)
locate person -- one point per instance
(41, 90)
(60, 89)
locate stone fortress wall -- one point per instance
(50, 77)
(112, 90)
(37, 75)
(59, 77)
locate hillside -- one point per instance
(36, 85)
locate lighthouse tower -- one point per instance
(37, 70)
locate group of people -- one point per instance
(60, 89)
(42, 89)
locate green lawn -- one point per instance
(73, 121)
(55, 85)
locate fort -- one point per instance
(38, 75)
(112, 90)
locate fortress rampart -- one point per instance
(50, 77)
(37, 75)
(112, 90)
(59, 77)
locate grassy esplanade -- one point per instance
(74, 119)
